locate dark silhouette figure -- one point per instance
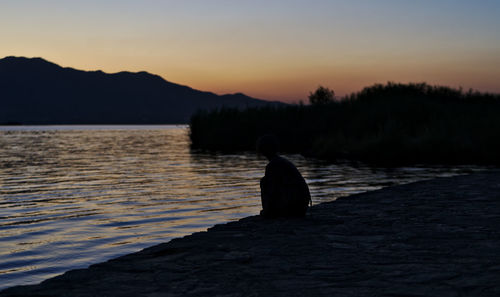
(284, 191)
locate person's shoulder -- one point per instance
(277, 161)
(280, 162)
(285, 161)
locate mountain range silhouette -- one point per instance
(35, 91)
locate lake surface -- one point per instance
(71, 196)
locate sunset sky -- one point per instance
(272, 49)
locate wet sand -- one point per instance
(432, 238)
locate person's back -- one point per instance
(284, 192)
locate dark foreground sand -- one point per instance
(431, 238)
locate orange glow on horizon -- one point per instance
(274, 50)
(292, 83)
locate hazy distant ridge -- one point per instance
(35, 91)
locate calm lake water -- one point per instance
(71, 196)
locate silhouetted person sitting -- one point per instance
(284, 191)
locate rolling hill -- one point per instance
(35, 91)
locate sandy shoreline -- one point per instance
(430, 238)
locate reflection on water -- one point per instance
(72, 196)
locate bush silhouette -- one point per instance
(321, 96)
(392, 124)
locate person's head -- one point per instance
(267, 146)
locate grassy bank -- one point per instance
(388, 124)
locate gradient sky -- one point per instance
(273, 49)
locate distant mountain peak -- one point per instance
(41, 62)
(36, 91)
(25, 60)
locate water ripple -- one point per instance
(72, 196)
